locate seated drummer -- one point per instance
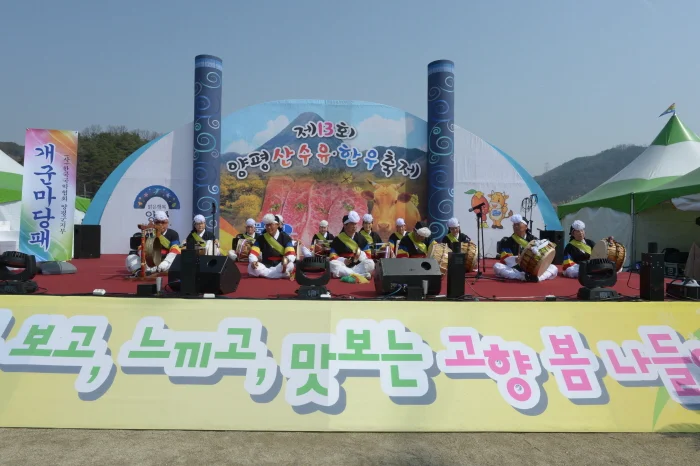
(323, 233)
(398, 235)
(455, 234)
(169, 242)
(202, 237)
(350, 253)
(416, 243)
(512, 247)
(272, 255)
(370, 236)
(578, 250)
(249, 235)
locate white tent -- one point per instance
(11, 203)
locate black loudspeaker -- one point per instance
(455, 275)
(216, 274)
(409, 272)
(651, 277)
(556, 237)
(86, 241)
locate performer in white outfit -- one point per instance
(578, 250)
(202, 237)
(169, 247)
(248, 237)
(272, 255)
(350, 252)
(513, 246)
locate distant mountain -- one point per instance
(15, 151)
(578, 176)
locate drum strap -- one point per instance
(348, 242)
(521, 241)
(581, 245)
(274, 244)
(420, 245)
(367, 236)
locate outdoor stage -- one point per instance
(109, 273)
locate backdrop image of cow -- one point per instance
(387, 202)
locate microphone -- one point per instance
(477, 207)
(213, 208)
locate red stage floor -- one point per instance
(109, 273)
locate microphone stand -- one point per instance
(479, 244)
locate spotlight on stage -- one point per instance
(18, 280)
(596, 275)
(313, 287)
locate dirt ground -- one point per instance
(88, 447)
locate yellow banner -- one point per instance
(97, 362)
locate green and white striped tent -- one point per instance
(613, 208)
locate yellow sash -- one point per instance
(451, 238)
(521, 241)
(420, 245)
(164, 242)
(274, 244)
(367, 236)
(320, 237)
(349, 242)
(581, 245)
(197, 238)
(251, 238)
(399, 235)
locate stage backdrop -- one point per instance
(48, 194)
(311, 160)
(93, 362)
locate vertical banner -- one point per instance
(441, 122)
(48, 194)
(207, 138)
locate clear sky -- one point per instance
(544, 80)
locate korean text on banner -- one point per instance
(48, 194)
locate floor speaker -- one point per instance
(651, 277)
(455, 275)
(556, 237)
(409, 272)
(86, 241)
(216, 274)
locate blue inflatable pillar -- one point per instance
(441, 121)
(208, 72)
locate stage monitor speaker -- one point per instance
(455, 275)
(556, 237)
(86, 241)
(651, 277)
(216, 274)
(409, 272)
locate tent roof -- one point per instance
(674, 152)
(9, 165)
(681, 186)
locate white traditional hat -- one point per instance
(279, 216)
(517, 218)
(161, 216)
(424, 232)
(250, 222)
(453, 222)
(269, 218)
(199, 218)
(323, 223)
(578, 225)
(400, 222)
(351, 217)
(367, 218)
